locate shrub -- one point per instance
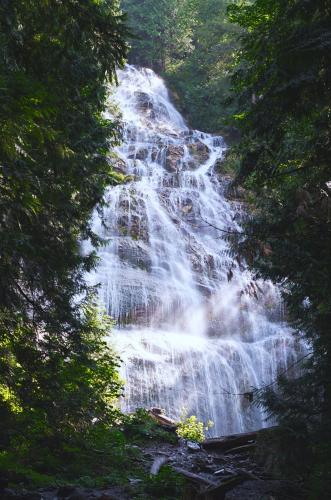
(190, 428)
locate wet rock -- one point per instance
(199, 151)
(135, 254)
(187, 206)
(218, 142)
(130, 178)
(142, 154)
(193, 446)
(131, 133)
(134, 226)
(187, 133)
(155, 154)
(120, 166)
(210, 261)
(174, 156)
(138, 228)
(191, 164)
(204, 290)
(139, 154)
(196, 263)
(145, 105)
(143, 101)
(124, 204)
(140, 316)
(172, 181)
(135, 203)
(123, 225)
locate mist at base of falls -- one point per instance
(189, 337)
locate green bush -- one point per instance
(140, 426)
(191, 429)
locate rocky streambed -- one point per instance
(221, 468)
(215, 473)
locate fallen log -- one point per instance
(164, 421)
(249, 475)
(227, 442)
(157, 464)
(241, 449)
(195, 477)
(218, 491)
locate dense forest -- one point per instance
(258, 72)
(192, 44)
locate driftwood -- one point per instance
(164, 421)
(195, 477)
(227, 484)
(218, 491)
(157, 464)
(249, 475)
(241, 449)
(228, 442)
(210, 490)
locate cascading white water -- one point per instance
(186, 333)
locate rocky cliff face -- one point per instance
(188, 336)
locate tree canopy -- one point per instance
(283, 83)
(56, 61)
(59, 379)
(191, 43)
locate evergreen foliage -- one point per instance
(191, 43)
(202, 77)
(162, 30)
(283, 82)
(58, 377)
(57, 373)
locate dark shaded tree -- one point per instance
(191, 43)
(56, 59)
(161, 30)
(283, 80)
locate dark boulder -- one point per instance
(199, 151)
(174, 156)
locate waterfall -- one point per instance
(189, 336)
